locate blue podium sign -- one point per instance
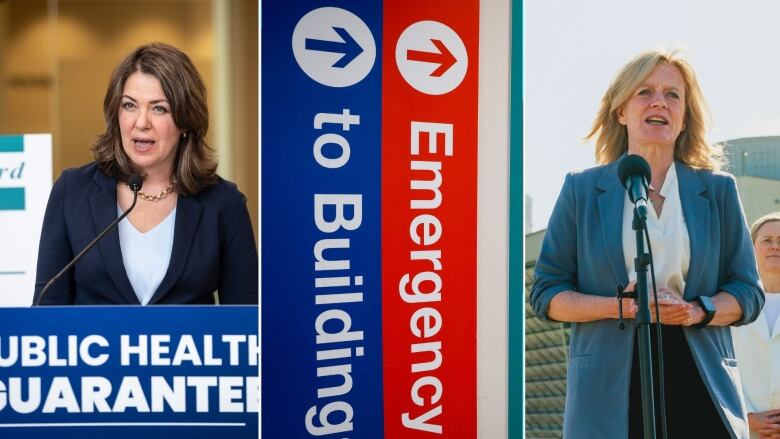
(321, 231)
(129, 372)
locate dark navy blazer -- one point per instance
(213, 246)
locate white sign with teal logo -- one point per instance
(25, 183)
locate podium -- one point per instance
(128, 372)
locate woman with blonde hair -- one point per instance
(757, 345)
(703, 261)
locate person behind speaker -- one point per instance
(757, 345)
(701, 247)
(189, 234)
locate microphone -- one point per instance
(635, 174)
(135, 182)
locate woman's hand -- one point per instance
(766, 424)
(673, 309)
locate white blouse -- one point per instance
(771, 310)
(668, 235)
(757, 349)
(146, 255)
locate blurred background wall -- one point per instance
(56, 57)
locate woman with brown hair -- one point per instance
(189, 234)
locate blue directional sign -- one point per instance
(321, 182)
(333, 46)
(347, 46)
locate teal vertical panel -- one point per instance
(12, 198)
(11, 143)
(516, 232)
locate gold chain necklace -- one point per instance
(159, 196)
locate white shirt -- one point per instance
(146, 255)
(668, 235)
(757, 349)
(771, 310)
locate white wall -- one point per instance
(493, 219)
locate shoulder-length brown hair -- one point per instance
(691, 147)
(195, 166)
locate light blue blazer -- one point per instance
(583, 251)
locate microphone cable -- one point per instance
(135, 182)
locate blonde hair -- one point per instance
(691, 147)
(757, 224)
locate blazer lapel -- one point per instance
(760, 327)
(610, 205)
(696, 210)
(104, 211)
(188, 212)
(775, 327)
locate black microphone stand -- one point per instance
(634, 173)
(135, 185)
(641, 295)
(641, 262)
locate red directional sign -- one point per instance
(429, 211)
(431, 57)
(443, 57)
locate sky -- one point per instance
(573, 49)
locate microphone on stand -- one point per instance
(635, 175)
(135, 182)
